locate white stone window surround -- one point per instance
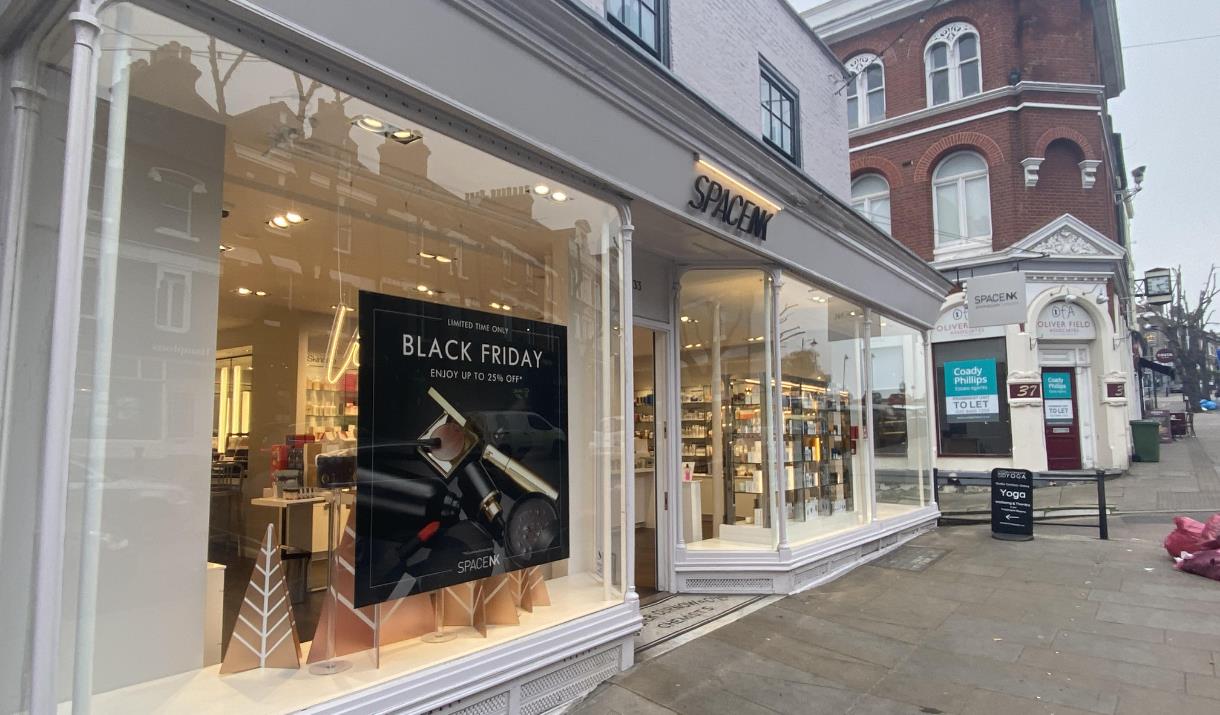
(958, 245)
(859, 91)
(951, 36)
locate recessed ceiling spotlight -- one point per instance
(431, 292)
(685, 319)
(421, 288)
(760, 337)
(402, 134)
(425, 254)
(286, 220)
(372, 124)
(443, 259)
(559, 196)
(542, 189)
(225, 249)
(688, 346)
(244, 291)
(260, 293)
(494, 305)
(698, 345)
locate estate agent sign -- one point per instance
(462, 450)
(971, 391)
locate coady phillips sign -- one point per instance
(971, 391)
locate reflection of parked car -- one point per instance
(520, 433)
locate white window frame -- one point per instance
(951, 36)
(175, 305)
(858, 88)
(971, 244)
(864, 204)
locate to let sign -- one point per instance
(1012, 504)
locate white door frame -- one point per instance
(666, 490)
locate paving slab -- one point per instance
(961, 623)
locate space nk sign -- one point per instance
(997, 299)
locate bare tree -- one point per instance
(218, 79)
(1184, 326)
(304, 95)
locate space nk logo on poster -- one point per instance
(462, 448)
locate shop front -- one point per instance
(357, 383)
(1047, 394)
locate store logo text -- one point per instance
(733, 209)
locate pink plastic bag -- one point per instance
(1204, 563)
(1191, 536)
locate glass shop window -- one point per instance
(972, 396)
(726, 406)
(821, 343)
(342, 263)
(902, 452)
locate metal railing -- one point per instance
(960, 478)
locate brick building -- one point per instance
(980, 138)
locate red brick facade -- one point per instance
(1050, 43)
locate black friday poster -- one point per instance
(491, 496)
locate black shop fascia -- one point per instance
(721, 203)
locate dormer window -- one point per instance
(952, 64)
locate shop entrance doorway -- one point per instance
(1061, 418)
(650, 432)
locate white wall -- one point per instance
(715, 47)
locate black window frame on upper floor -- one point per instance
(771, 76)
(661, 29)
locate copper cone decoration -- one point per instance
(498, 600)
(533, 589)
(265, 634)
(356, 628)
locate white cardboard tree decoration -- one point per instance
(265, 635)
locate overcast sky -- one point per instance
(1168, 119)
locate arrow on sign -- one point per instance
(1010, 517)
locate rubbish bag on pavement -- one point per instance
(1190, 535)
(1207, 405)
(1205, 563)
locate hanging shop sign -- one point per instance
(954, 324)
(1012, 504)
(971, 391)
(1062, 320)
(462, 446)
(997, 299)
(1057, 397)
(729, 201)
(1164, 356)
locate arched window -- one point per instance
(951, 61)
(865, 90)
(870, 196)
(961, 201)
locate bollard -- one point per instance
(1102, 525)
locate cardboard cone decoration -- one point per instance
(265, 634)
(498, 601)
(406, 618)
(533, 589)
(354, 627)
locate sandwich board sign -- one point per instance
(1012, 504)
